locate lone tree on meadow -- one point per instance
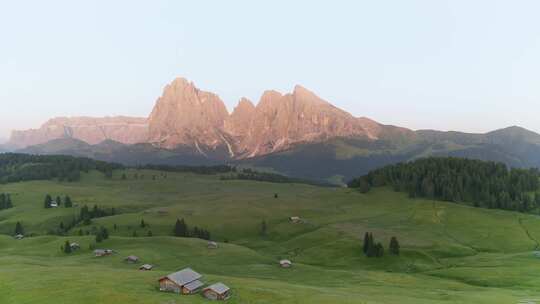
(394, 246)
(67, 247)
(19, 229)
(143, 224)
(58, 201)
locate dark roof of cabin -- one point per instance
(193, 285)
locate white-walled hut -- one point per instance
(212, 245)
(285, 263)
(218, 291)
(185, 281)
(74, 246)
(146, 267)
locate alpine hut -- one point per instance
(218, 291)
(285, 263)
(185, 281)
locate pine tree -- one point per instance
(48, 201)
(394, 246)
(67, 248)
(379, 250)
(124, 177)
(365, 247)
(99, 238)
(180, 228)
(135, 233)
(143, 224)
(67, 202)
(149, 233)
(58, 201)
(19, 228)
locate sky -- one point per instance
(450, 65)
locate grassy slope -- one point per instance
(450, 253)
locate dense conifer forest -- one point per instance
(479, 183)
(23, 167)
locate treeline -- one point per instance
(191, 169)
(249, 174)
(181, 229)
(5, 201)
(23, 167)
(480, 183)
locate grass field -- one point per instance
(450, 253)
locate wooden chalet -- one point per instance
(132, 259)
(102, 252)
(185, 282)
(218, 291)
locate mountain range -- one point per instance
(298, 134)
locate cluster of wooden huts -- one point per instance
(188, 282)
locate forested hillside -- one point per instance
(480, 183)
(23, 167)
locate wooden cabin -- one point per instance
(102, 252)
(132, 259)
(146, 267)
(185, 282)
(218, 291)
(285, 264)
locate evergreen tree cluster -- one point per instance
(181, 229)
(102, 234)
(16, 167)
(249, 174)
(480, 183)
(86, 214)
(370, 248)
(66, 202)
(5, 201)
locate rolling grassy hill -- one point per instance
(450, 253)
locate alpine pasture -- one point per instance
(449, 253)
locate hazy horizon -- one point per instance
(445, 65)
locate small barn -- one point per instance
(19, 237)
(285, 263)
(102, 252)
(74, 246)
(218, 291)
(132, 259)
(185, 281)
(54, 205)
(146, 267)
(212, 245)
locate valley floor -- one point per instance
(449, 253)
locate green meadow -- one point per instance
(449, 253)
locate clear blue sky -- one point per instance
(461, 65)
